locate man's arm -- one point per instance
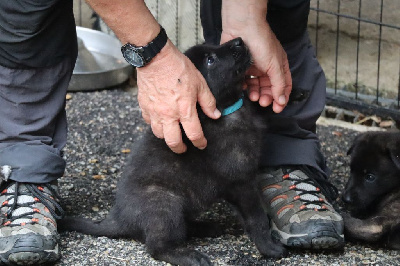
(247, 19)
(170, 85)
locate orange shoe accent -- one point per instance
(296, 197)
(35, 220)
(284, 208)
(36, 199)
(302, 207)
(22, 224)
(51, 221)
(40, 188)
(4, 191)
(36, 210)
(292, 187)
(47, 210)
(286, 176)
(272, 186)
(4, 203)
(279, 197)
(318, 189)
(7, 223)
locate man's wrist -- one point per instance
(161, 61)
(239, 15)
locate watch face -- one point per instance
(133, 57)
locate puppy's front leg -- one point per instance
(370, 230)
(394, 238)
(247, 202)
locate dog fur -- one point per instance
(161, 193)
(372, 194)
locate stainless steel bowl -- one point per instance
(100, 63)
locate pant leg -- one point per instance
(33, 125)
(291, 139)
(33, 85)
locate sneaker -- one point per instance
(297, 200)
(28, 229)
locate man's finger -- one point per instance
(173, 137)
(157, 129)
(254, 93)
(207, 102)
(193, 130)
(278, 86)
(265, 96)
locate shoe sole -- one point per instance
(31, 257)
(327, 238)
(29, 249)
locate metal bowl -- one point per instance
(100, 63)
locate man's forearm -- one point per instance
(240, 14)
(130, 20)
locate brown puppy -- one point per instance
(372, 194)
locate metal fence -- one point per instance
(357, 43)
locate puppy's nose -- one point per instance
(347, 198)
(238, 42)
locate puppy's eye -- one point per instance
(210, 60)
(369, 177)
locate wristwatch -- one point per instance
(139, 56)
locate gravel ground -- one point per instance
(103, 126)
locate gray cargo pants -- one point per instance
(33, 125)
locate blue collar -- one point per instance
(234, 107)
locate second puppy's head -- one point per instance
(223, 67)
(374, 171)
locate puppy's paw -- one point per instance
(183, 256)
(276, 250)
(271, 248)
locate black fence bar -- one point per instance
(337, 45)
(358, 48)
(316, 29)
(356, 18)
(379, 53)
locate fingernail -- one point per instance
(217, 113)
(282, 100)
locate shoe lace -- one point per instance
(317, 180)
(37, 192)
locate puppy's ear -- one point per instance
(356, 142)
(351, 149)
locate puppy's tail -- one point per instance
(107, 227)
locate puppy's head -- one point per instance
(374, 171)
(223, 67)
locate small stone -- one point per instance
(99, 176)
(95, 209)
(126, 151)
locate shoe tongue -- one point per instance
(21, 188)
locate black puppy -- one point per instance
(161, 193)
(372, 194)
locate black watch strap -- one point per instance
(154, 47)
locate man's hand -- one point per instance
(168, 89)
(270, 81)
